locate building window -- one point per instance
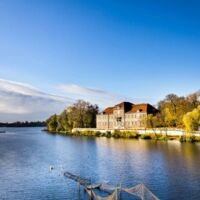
(119, 119)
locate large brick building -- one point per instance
(124, 115)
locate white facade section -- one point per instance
(121, 120)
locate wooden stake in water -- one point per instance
(91, 195)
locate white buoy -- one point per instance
(51, 167)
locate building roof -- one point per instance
(132, 108)
(108, 110)
(145, 107)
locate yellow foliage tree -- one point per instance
(191, 120)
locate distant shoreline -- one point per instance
(23, 124)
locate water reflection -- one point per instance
(169, 169)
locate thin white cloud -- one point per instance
(25, 89)
(76, 89)
(19, 100)
(101, 97)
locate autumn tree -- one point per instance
(63, 122)
(52, 123)
(81, 114)
(173, 108)
(153, 121)
(191, 120)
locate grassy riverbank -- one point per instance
(131, 134)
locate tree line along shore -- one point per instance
(23, 124)
(174, 112)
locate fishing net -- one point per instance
(141, 191)
(105, 186)
(113, 196)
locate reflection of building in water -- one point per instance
(124, 115)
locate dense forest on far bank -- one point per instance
(23, 124)
(174, 112)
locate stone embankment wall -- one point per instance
(162, 131)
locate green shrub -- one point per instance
(116, 134)
(125, 134)
(163, 138)
(182, 139)
(134, 134)
(131, 134)
(103, 134)
(190, 139)
(197, 139)
(172, 137)
(108, 134)
(98, 133)
(145, 136)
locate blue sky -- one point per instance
(101, 51)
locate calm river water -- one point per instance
(169, 169)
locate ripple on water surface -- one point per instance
(169, 169)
